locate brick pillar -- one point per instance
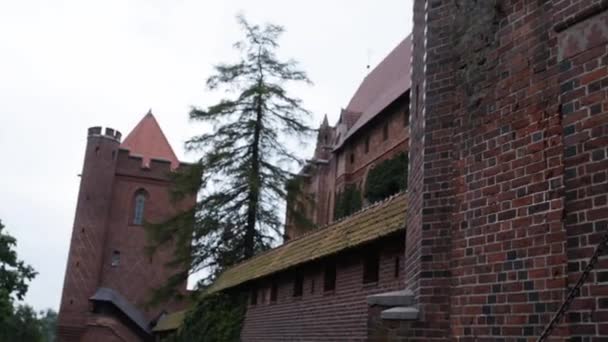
(430, 190)
(581, 29)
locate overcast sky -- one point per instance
(69, 65)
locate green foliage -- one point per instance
(347, 202)
(22, 325)
(14, 273)
(387, 178)
(244, 166)
(48, 322)
(215, 318)
(17, 323)
(298, 202)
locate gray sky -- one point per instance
(69, 65)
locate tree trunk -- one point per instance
(254, 184)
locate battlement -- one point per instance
(132, 164)
(109, 133)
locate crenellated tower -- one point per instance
(109, 276)
(83, 270)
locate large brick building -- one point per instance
(372, 128)
(507, 192)
(109, 276)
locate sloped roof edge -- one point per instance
(376, 221)
(382, 86)
(104, 294)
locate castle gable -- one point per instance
(148, 141)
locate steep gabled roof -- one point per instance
(376, 221)
(383, 85)
(148, 141)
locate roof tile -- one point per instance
(378, 220)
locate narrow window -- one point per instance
(367, 144)
(371, 267)
(329, 278)
(254, 296)
(397, 266)
(352, 158)
(139, 207)
(115, 258)
(406, 117)
(312, 285)
(274, 290)
(298, 285)
(385, 132)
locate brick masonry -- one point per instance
(339, 315)
(327, 180)
(508, 182)
(110, 179)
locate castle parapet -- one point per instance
(136, 166)
(109, 133)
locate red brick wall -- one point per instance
(583, 83)
(102, 225)
(84, 264)
(327, 180)
(430, 187)
(108, 329)
(138, 274)
(319, 316)
(507, 188)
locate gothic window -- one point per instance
(139, 206)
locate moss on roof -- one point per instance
(171, 321)
(371, 223)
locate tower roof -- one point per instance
(148, 141)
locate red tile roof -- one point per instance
(383, 85)
(148, 141)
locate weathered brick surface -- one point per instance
(340, 315)
(507, 192)
(583, 85)
(430, 194)
(103, 224)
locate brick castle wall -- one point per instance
(340, 315)
(508, 181)
(326, 181)
(103, 226)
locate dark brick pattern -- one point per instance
(508, 187)
(339, 315)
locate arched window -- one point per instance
(139, 207)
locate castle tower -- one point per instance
(84, 265)
(109, 276)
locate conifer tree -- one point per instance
(242, 175)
